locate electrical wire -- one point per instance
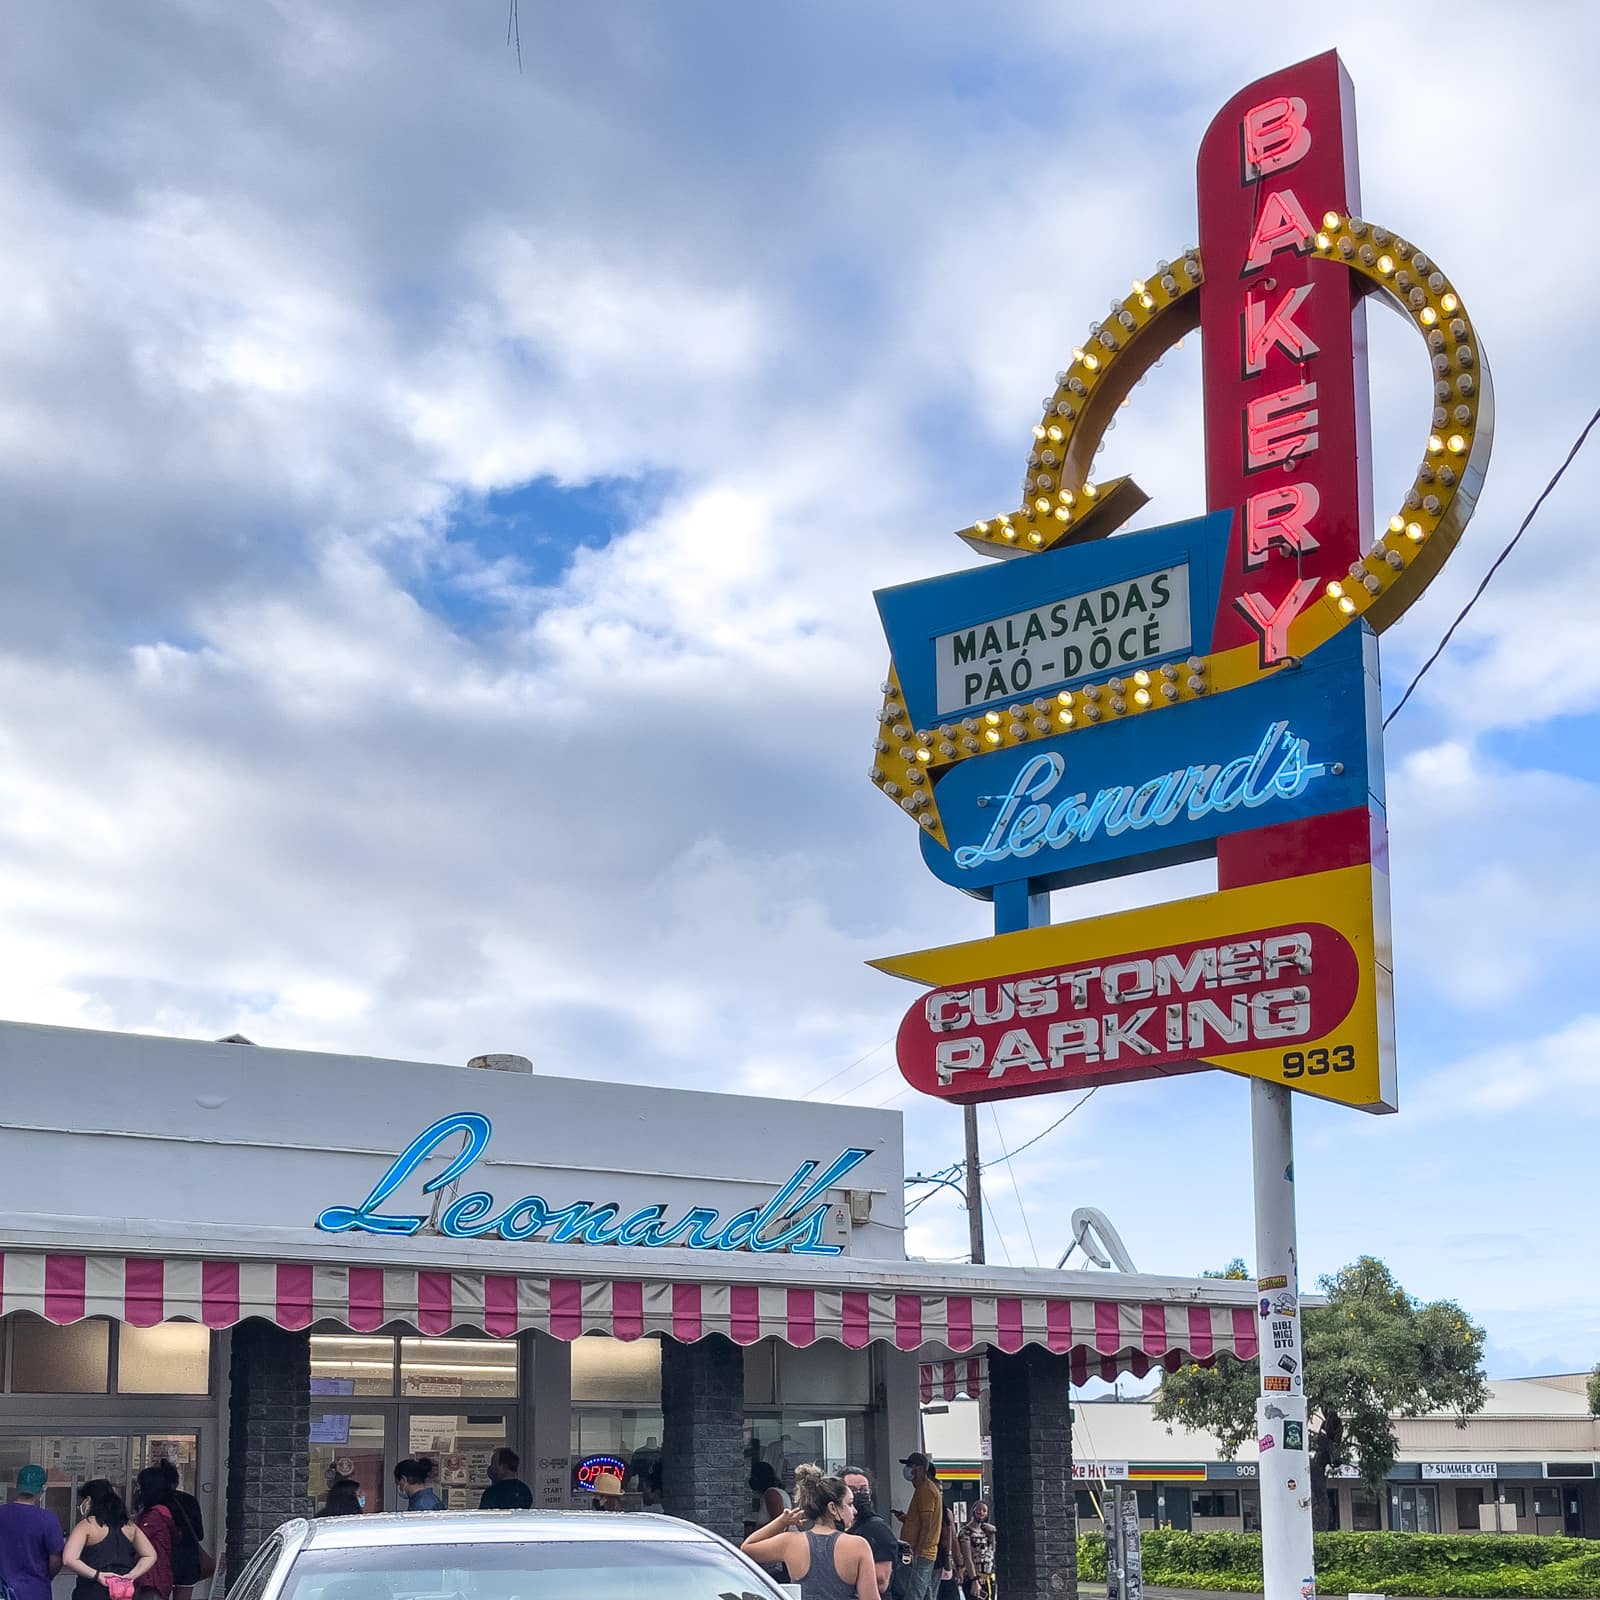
(1069, 1112)
(834, 1076)
(1477, 593)
(994, 1117)
(997, 1233)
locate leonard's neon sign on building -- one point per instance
(1096, 706)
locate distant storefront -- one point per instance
(1529, 1463)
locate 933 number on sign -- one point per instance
(1314, 1063)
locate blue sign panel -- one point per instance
(970, 640)
(1164, 786)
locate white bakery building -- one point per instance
(261, 1264)
(1527, 1463)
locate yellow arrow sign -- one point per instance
(1287, 981)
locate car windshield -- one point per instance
(602, 1569)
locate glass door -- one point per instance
(350, 1444)
(459, 1443)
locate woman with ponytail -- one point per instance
(811, 1540)
(106, 1548)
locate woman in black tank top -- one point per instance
(104, 1543)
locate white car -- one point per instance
(501, 1555)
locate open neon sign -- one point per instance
(797, 1212)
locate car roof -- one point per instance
(509, 1527)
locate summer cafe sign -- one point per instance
(1096, 706)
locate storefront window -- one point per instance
(449, 1367)
(170, 1358)
(352, 1364)
(1366, 1510)
(1216, 1503)
(616, 1371)
(792, 1438)
(823, 1374)
(74, 1359)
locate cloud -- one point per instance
(1561, 1068)
(291, 294)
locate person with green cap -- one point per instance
(30, 1539)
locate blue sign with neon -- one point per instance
(1162, 789)
(793, 1220)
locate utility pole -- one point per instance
(1285, 1476)
(969, 1121)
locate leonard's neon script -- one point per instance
(798, 1211)
(1030, 820)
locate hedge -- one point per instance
(1443, 1565)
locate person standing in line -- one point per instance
(30, 1540)
(344, 1500)
(980, 1539)
(607, 1492)
(952, 1555)
(870, 1526)
(188, 1534)
(411, 1479)
(921, 1524)
(823, 1557)
(157, 1523)
(767, 1499)
(106, 1545)
(506, 1491)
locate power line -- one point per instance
(1477, 593)
(997, 1233)
(1069, 1112)
(994, 1117)
(834, 1076)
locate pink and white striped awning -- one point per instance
(952, 1380)
(1104, 1337)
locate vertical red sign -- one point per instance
(1288, 435)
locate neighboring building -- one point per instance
(195, 1265)
(1527, 1463)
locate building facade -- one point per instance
(267, 1265)
(1528, 1463)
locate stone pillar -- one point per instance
(704, 1473)
(269, 1422)
(1034, 1510)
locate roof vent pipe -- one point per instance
(500, 1063)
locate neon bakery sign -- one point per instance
(793, 1220)
(1207, 689)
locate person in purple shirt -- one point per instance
(30, 1539)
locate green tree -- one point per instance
(1594, 1390)
(1372, 1352)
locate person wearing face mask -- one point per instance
(870, 1526)
(979, 1538)
(106, 1548)
(812, 1541)
(344, 1499)
(922, 1525)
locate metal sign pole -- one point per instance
(1288, 1561)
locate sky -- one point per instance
(442, 504)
